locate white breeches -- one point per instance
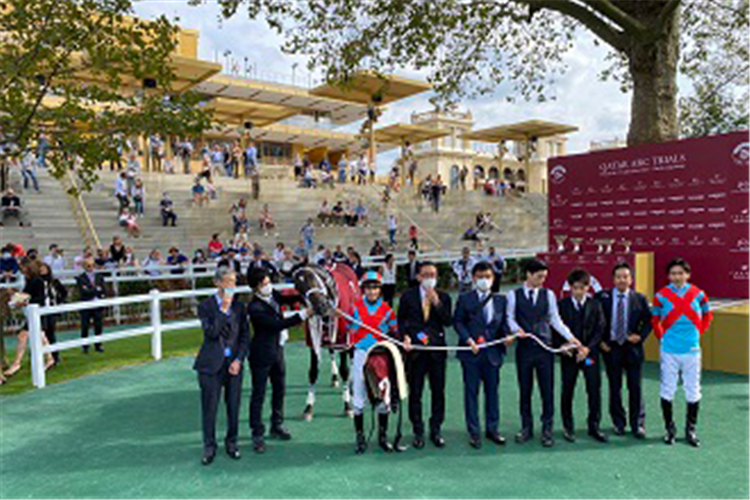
(359, 385)
(675, 365)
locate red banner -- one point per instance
(685, 198)
(599, 265)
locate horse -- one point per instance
(385, 378)
(324, 290)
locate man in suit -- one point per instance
(532, 310)
(423, 315)
(627, 325)
(480, 318)
(90, 288)
(267, 354)
(412, 269)
(585, 319)
(226, 339)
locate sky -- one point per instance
(599, 109)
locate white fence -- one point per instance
(156, 328)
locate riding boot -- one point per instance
(666, 411)
(692, 420)
(359, 427)
(382, 433)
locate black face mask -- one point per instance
(46, 277)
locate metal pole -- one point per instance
(115, 289)
(155, 324)
(35, 345)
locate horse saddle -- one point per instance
(385, 375)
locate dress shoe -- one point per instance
(547, 440)
(418, 442)
(437, 440)
(99, 348)
(598, 435)
(569, 435)
(233, 452)
(639, 433)
(524, 435)
(495, 437)
(207, 459)
(85, 349)
(259, 446)
(619, 431)
(475, 442)
(280, 433)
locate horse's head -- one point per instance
(318, 288)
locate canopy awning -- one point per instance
(237, 112)
(399, 133)
(519, 131)
(365, 85)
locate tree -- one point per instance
(469, 47)
(76, 70)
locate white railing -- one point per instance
(156, 328)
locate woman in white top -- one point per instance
(388, 272)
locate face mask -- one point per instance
(429, 283)
(229, 292)
(6, 255)
(484, 284)
(266, 290)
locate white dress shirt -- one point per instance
(554, 315)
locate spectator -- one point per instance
(177, 260)
(355, 262)
(78, 261)
(139, 196)
(350, 219)
(438, 188)
(90, 288)
(392, 228)
(130, 259)
(338, 255)
(414, 237)
(129, 221)
(153, 263)
(377, 249)
(42, 147)
(259, 261)
(55, 259)
(186, 151)
(199, 257)
(167, 211)
(238, 211)
(343, 164)
(388, 272)
(121, 190)
(157, 151)
(266, 220)
(102, 260)
(241, 239)
(251, 159)
(297, 166)
(320, 255)
(54, 294)
(308, 234)
(211, 193)
(8, 265)
(199, 193)
(117, 250)
(10, 206)
(278, 252)
(462, 268)
(28, 170)
(337, 214)
(326, 179)
(132, 171)
(301, 253)
(216, 158)
(286, 265)
(360, 211)
(215, 247)
(412, 269)
(324, 214)
(362, 170)
(229, 259)
(462, 176)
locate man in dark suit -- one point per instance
(412, 269)
(267, 354)
(226, 339)
(423, 315)
(585, 319)
(91, 287)
(480, 317)
(627, 325)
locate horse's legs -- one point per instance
(334, 369)
(312, 378)
(344, 370)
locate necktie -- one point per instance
(426, 309)
(620, 324)
(531, 296)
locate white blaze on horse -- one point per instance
(324, 290)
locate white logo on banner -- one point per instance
(557, 174)
(741, 154)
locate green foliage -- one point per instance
(74, 69)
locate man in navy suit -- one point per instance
(627, 325)
(480, 317)
(226, 340)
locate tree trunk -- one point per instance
(653, 68)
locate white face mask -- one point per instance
(484, 284)
(429, 283)
(266, 290)
(229, 292)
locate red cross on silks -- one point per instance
(681, 306)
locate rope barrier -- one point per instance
(417, 347)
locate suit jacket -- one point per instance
(411, 317)
(593, 322)
(411, 278)
(639, 319)
(267, 326)
(469, 322)
(219, 332)
(88, 290)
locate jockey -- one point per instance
(372, 311)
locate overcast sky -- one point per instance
(598, 108)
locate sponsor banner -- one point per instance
(598, 265)
(685, 198)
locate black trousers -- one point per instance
(532, 360)
(620, 359)
(262, 371)
(389, 292)
(431, 366)
(314, 370)
(211, 388)
(49, 325)
(569, 369)
(476, 373)
(87, 316)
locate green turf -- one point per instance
(135, 432)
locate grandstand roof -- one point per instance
(519, 131)
(364, 85)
